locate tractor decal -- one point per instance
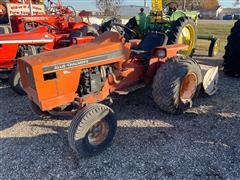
(80, 62)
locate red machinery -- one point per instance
(25, 16)
(46, 32)
(58, 8)
(4, 11)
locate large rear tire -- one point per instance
(92, 129)
(232, 54)
(14, 78)
(176, 84)
(15, 82)
(184, 31)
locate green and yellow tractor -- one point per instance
(180, 26)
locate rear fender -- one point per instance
(170, 51)
(178, 14)
(155, 62)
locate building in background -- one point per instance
(234, 12)
(213, 13)
(131, 10)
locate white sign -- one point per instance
(24, 9)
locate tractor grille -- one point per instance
(30, 76)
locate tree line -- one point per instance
(111, 7)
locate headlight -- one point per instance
(161, 53)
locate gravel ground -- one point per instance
(203, 143)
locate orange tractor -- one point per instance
(76, 81)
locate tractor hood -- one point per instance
(52, 78)
(106, 47)
(37, 35)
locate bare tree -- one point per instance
(185, 4)
(109, 7)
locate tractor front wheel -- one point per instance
(176, 84)
(92, 129)
(184, 31)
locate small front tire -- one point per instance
(92, 130)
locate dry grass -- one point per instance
(221, 29)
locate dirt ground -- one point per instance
(203, 143)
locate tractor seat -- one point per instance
(148, 43)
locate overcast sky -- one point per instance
(90, 4)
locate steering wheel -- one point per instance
(126, 32)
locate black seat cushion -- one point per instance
(148, 43)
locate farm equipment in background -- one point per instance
(59, 9)
(47, 33)
(19, 21)
(232, 52)
(78, 80)
(180, 26)
(15, 7)
(214, 46)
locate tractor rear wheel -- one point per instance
(176, 84)
(14, 78)
(92, 129)
(15, 81)
(184, 31)
(232, 54)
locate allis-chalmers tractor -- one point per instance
(47, 32)
(78, 80)
(232, 55)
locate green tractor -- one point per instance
(180, 26)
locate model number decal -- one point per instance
(84, 61)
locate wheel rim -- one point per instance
(188, 87)
(216, 48)
(98, 133)
(187, 37)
